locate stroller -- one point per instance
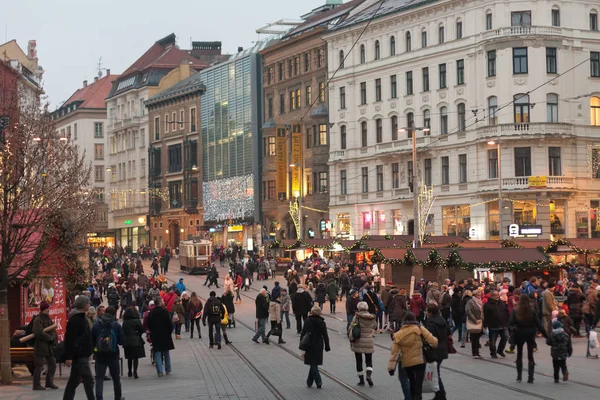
(152, 354)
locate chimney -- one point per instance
(184, 69)
(85, 83)
(95, 79)
(107, 71)
(240, 49)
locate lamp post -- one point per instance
(500, 202)
(415, 183)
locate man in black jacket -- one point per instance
(262, 315)
(301, 305)
(78, 349)
(438, 326)
(108, 330)
(44, 348)
(213, 310)
(495, 318)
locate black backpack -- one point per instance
(215, 308)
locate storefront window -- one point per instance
(524, 212)
(397, 218)
(557, 217)
(456, 220)
(494, 220)
(581, 223)
(595, 218)
(343, 225)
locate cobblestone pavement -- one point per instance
(257, 371)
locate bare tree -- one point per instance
(45, 206)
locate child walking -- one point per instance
(561, 349)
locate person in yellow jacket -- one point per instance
(408, 350)
(225, 322)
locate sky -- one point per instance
(72, 35)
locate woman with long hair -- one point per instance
(525, 323)
(363, 344)
(474, 318)
(134, 344)
(195, 311)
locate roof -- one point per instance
(388, 7)
(506, 255)
(162, 54)
(191, 84)
(324, 18)
(92, 96)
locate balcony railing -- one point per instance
(521, 30)
(525, 128)
(522, 182)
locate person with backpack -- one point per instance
(107, 336)
(213, 311)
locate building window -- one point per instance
(424, 39)
(322, 182)
(552, 107)
(488, 21)
(309, 184)
(395, 176)
(379, 130)
(427, 176)
(363, 134)
(409, 173)
(271, 190)
(555, 17)
(441, 35)
(175, 189)
(167, 123)
(98, 130)
(321, 92)
(75, 131)
(522, 161)
(394, 127)
(270, 107)
(410, 123)
(363, 55)
(322, 134)
(443, 120)
(343, 184)
(392, 46)
(460, 72)
(493, 110)
(280, 71)
(308, 96)
(175, 158)
(193, 126)
(427, 120)
(281, 103)
(595, 64)
(520, 60)
(380, 178)
(493, 163)
(99, 173)
(306, 62)
(462, 168)
(271, 146)
(296, 65)
(409, 83)
(595, 111)
(442, 70)
(521, 18)
(554, 163)
(343, 137)
(393, 87)
(593, 21)
(98, 151)
(343, 97)
(309, 137)
(521, 104)
(445, 170)
(462, 117)
(551, 62)
(377, 50)
(456, 220)
(320, 58)
(363, 93)
(378, 89)
(459, 30)
(491, 63)
(157, 128)
(342, 59)
(408, 42)
(143, 168)
(426, 79)
(365, 179)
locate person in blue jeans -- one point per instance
(160, 327)
(107, 336)
(262, 315)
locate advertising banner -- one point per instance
(52, 291)
(296, 159)
(282, 166)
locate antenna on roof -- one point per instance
(100, 69)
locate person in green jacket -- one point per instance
(332, 293)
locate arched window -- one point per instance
(423, 38)
(377, 50)
(595, 111)
(555, 16)
(493, 110)
(343, 137)
(427, 120)
(441, 34)
(392, 46)
(552, 107)
(394, 127)
(488, 21)
(462, 117)
(443, 120)
(408, 42)
(379, 130)
(593, 20)
(459, 29)
(363, 54)
(521, 108)
(363, 134)
(410, 123)
(341, 58)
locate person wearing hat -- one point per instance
(45, 343)
(561, 348)
(319, 340)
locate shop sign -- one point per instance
(128, 222)
(311, 233)
(281, 163)
(515, 230)
(52, 291)
(235, 228)
(296, 158)
(537, 182)
(92, 234)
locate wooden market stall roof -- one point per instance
(505, 255)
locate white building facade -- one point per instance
(525, 75)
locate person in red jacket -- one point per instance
(417, 305)
(169, 299)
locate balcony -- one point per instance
(124, 211)
(522, 182)
(527, 128)
(511, 31)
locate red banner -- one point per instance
(50, 290)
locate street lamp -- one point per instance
(492, 142)
(415, 183)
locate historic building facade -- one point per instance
(504, 99)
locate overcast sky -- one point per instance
(72, 35)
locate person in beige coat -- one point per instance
(549, 304)
(275, 318)
(364, 344)
(408, 347)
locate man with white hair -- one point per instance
(262, 315)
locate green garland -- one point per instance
(435, 260)
(507, 243)
(453, 245)
(552, 247)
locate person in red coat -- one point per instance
(417, 305)
(169, 299)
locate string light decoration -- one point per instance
(507, 243)
(453, 245)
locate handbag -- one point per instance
(355, 332)
(451, 349)
(276, 331)
(175, 318)
(305, 342)
(429, 352)
(474, 327)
